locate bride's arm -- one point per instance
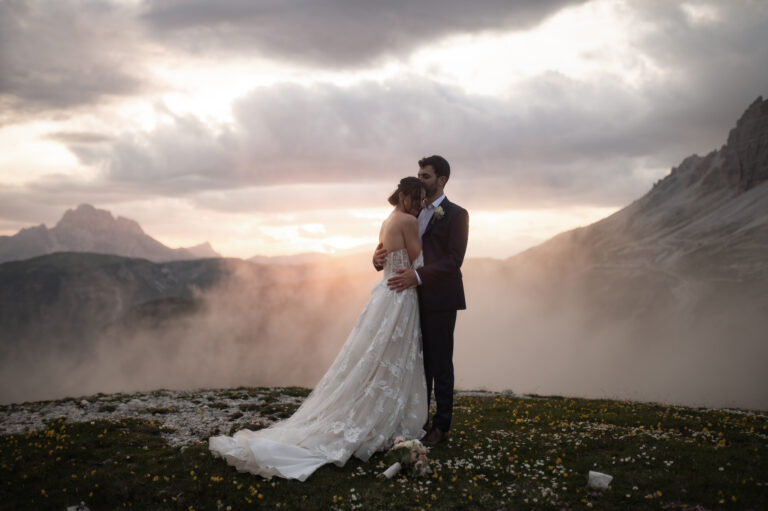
(411, 237)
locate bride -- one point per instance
(374, 391)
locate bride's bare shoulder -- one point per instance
(406, 219)
(397, 225)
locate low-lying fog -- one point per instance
(514, 336)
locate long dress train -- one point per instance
(374, 391)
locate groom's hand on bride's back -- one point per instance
(402, 280)
(379, 257)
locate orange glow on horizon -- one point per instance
(493, 233)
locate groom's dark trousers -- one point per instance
(437, 337)
(441, 294)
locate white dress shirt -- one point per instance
(425, 215)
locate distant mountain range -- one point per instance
(87, 229)
(68, 297)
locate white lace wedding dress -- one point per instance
(374, 391)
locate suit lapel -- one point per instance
(444, 204)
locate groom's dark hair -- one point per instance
(440, 164)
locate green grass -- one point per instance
(503, 453)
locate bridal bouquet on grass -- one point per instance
(410, 455)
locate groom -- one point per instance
(443, 227)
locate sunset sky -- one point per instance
(274, 127)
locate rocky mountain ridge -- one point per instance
(709, 212)
(88, 229)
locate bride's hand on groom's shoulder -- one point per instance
(402, 280)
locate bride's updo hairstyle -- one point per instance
(410, 187)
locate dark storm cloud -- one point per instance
(551, 137)
(579, 140)
(56, 56)
(333, 33)
(567, 145)
(714, 69)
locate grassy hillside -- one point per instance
(148, 451)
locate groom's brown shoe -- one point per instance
(434, 437)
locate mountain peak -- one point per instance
(88, 218)
(89, 229)
(746, 152)
(202, 250)
(740, 165)
(756, 110)
(85, 212)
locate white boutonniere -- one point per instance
(439, 213)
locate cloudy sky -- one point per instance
(273, 127)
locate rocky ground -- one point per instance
(184, 416)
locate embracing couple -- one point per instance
(400, 348)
